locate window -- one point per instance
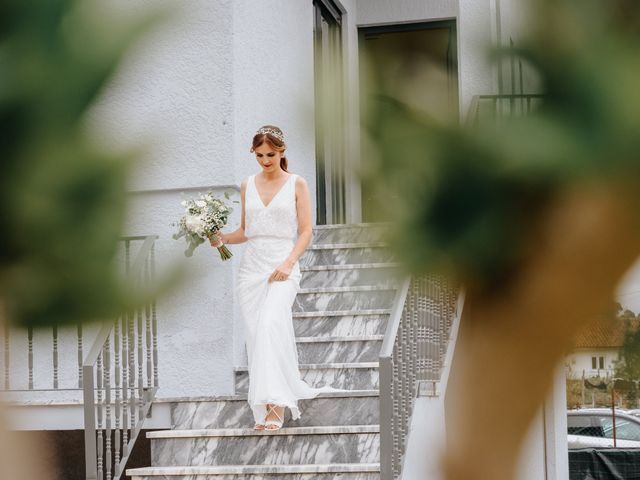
(329, 101)
(594, 363)
(625, 429)
(601, 363)
(582, 425)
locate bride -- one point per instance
(276, 223)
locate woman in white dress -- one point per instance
(276, 223)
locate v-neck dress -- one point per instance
(266, 308)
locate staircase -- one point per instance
(340, 315)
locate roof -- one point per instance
(605, 333)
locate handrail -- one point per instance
(138, 263)
(231, 186)
(132, 401)
(453, 338)
(386, 350)
(521, 103)
(412, 352)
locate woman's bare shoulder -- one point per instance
(300, 181)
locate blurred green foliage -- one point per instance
(468, 199)
(62, 199)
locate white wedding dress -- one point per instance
(266, 307)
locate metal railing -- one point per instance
(412, 353)
(118, 377)
(115, 406)
(491, 109)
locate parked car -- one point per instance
(593, 427)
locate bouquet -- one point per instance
(204, 217)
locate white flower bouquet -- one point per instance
(204, 217)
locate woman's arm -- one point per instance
(237, 236)
(305, 230)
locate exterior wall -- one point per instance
(175, 92)
(629, 288)
(474, 26)
(193, 92)
(579, 362)
(510, 24)
(273, 84)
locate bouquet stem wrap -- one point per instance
(225, 253)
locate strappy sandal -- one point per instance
(277, 424)
(258, 426)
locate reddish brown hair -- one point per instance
(273, 141)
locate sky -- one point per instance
(629, 289)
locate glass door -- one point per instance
(330, 164)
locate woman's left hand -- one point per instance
(281, 273)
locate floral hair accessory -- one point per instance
(271, 131)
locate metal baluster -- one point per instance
(118, 394)
(132, 371)
(396, 412)
(140, 360)
(55, 356)
(125, 360)
(30, 356)
(7, 356)
(107, 400)
(147, 326)
(125, 384)
(154, 320)
(80, 354)
(99, 432)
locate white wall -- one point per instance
(579, 361)
(474, 27)
(194, 92)
(175, 91)
(380, 12)
(273, 84)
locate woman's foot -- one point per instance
(259, 426)
(274, 417)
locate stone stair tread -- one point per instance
(355, 338)
(340, 313)
(256, 469)
(244, 396)
(337, 226)
(318, 366)
(339, 246)
(250, 432)
(350, 266)
(354, 288)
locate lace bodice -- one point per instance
(278, 219)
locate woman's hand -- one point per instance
(281, 273)
(217, 239)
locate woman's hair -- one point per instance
(273, 137)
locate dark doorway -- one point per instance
(417, 63)
(330, 162)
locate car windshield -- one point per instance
(625, 429)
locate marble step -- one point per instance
(343, 298)
(359, 407)
(356, 232)
(246, 446)
(342, 471)
(341, 322)
(349, 349)
(347, 253)
(380, 274)
(350, 376)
